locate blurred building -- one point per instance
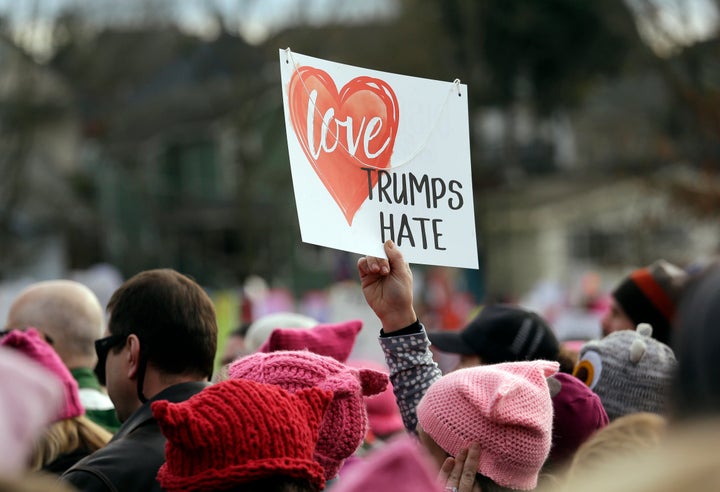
(555, 228)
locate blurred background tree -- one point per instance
(172, 150)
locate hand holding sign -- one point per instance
(355, 159)
(387, 285)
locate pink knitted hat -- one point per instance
(30, 398)
(31, 343)
(402, 465)
(505, 407)
(333, 340)
(345, 424)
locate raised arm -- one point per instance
(388, 288)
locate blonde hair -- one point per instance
(626, 436)
(687, 459)
(33, 482)
(67, 436)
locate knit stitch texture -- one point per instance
(345, 424)
(505, 407)
(630, 371)
(239, 431)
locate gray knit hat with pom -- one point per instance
(630, 371)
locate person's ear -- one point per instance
(133, 355)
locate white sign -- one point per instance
(377, 156)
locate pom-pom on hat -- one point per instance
(505, 407)
(240, 431)
(345, 424)
(577, 414)
(650, 295)
(630, 371)
(333, 340)
(31, 343)
(501, 333)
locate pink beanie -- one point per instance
(505, 407)
(30, 398)
(345, 424)
(333, 340)
(402, 465)
(30, 343)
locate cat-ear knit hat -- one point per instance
(32, 344)
(334, 340)
(345, 424)
(505, 407)
(239, 431)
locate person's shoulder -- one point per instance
(134, 457)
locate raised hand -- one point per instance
(387, 285)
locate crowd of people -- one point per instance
(135, 403)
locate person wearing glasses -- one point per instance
(160, 345)
(69, 316)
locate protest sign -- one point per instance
(377, 156)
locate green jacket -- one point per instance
(98, 406)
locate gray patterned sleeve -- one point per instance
(412, 371)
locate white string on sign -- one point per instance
(454, 89)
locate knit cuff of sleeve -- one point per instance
(412, 329)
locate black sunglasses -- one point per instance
(102, 348)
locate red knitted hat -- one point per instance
(345, 424)
(505, 407)
(333, 340)
(239, 431)
(31, 343)
(382, 409)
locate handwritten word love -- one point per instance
(340, 131)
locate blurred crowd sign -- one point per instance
(377, 156)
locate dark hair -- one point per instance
(172, 316)
(276, 483)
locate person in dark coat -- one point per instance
(160, 345)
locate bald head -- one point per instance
(67, 312)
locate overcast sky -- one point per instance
(255, 19)
(684, 20)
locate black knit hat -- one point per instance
(650, 295)
(501, 333)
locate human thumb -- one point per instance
(395, 257)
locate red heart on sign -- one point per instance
(342, 132)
